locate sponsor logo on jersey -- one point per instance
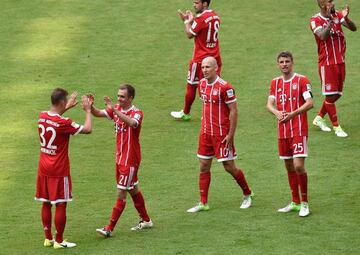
(294, 86)
(230, 93)
(336, 21)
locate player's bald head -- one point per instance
(210, 61)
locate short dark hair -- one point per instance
(58, 95)
(285, 54)
(206, 1)
(129, 88)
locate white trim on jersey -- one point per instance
(208, 10)
(271, 96)
(205, 157)
(192, 75)
(66, 188)
(298, 106)
(53, 202)
(285, 157)
(131, 176)
(316, 29)
(211, 113)
(121, 145)
(128, 150)
(192, 32)
(211, 84)
(231, 101)
(332, 93)
(227, 159)
(127, 188)
(333, 46)
(291, 107)
(300, 155)
(219, 98)
(106, 114)
(283, 107)
(79, 130)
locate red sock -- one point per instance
(46, 219)
(204, 184)
(303, 181)
(116, 213)
(331, 109)
(189, 97)
(60, 221)
(240, 179)
(294, 186)
(139, 204)
(322, 111)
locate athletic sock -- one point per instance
(240, 179)
(189, 97)
(60, 221)
(139, 204)
(294, 186)
(116, 213)
(322, 111)
(46, 219)
(303, 181)
(331, 109)
(204, 184)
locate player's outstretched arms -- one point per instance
(95, 111)
(86, 105)
(72, 101)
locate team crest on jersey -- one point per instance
(230, 93)
(137, 116)
(336, 21)
(294, 86)
(215, 92)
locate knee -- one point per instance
(299, 169)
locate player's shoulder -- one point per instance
(276, 79)
(303, 78)
(205, 14)
(135, 109)
(223, 83)
(316, 16)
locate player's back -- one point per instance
(54, 131)
(206, 31)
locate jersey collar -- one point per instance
(211, 84)
(290, 78)
(125, 111)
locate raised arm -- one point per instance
(188, 19)
(86, 105)
(95, 111)
(348, 23)
(72, 101)
(128, 121)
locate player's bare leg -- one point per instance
(204, 184)
(294, 187)
(299, 166)
(238, 175)
(139, 204)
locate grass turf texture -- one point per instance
(92, 46)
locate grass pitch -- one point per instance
(92, 46)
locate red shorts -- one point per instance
(332, 79)
(195, 73)
(211, 146)
(53, 189)
(126, 177)
(295, 147)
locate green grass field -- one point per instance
(93, 46)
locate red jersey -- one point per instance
(205, 28)
(331, 51)
(127, 138)
(215, 111)
(54, 133)
(289, 96)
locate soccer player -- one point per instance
(204, 28)
(289, 100)
(330, 40)
(127, 119)
(218, 125)
(53, 179)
